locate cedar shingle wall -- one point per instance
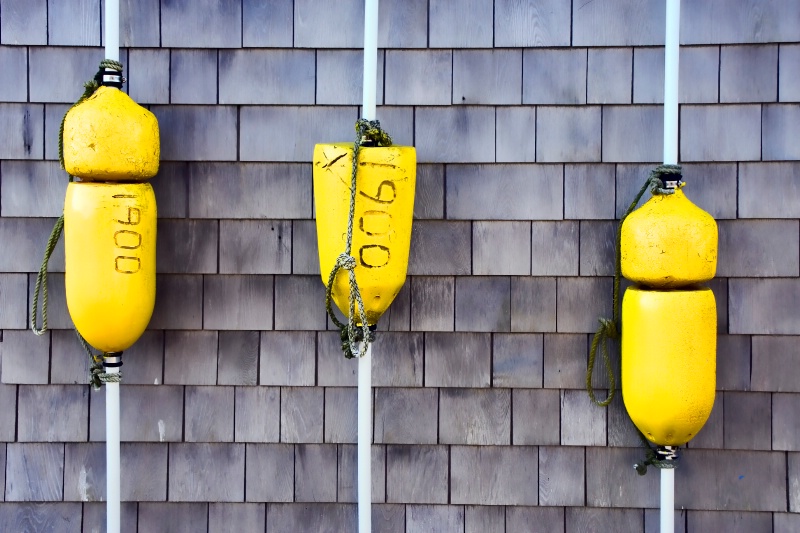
(535, 123)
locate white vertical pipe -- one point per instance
(112, 30)
(365, 442)
(370, 58)
(671, 71)
(112, 455)
(369, 90)
(667, 500)
(671, 63)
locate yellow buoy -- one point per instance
(110, 261)
(384, 209)
(669, 361)
(109, 137)
(669, 242)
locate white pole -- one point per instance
(365, 442)
(370, 58)
(667, 500)
(671, 82)
(112, 29)
(365, 362)
(671, 65)
(112, 454)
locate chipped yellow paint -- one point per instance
(109, 137)
(669, 361)
(669, 242)
(110, 253)
(382, 225)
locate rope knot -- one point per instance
(346, 261)
(609, 327)
(658, 185)
(370, 131)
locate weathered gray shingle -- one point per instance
(432, 303)
(565, 361)
(532, 24)
(337, 25)
(269, 473)
(550, 518)
(74, 22)
(764, 306)
(197, 132)
(419, 77)
(720, 133)
(788, 61)
(598, 248)
(203, 24)
(25, 357)
(632, 133)
(619, 520)
(769, 190)
(556, 76)
(287, 358)
(536, 416)
(609, 76)
(758, 248)
(773, 361)
(589, 191)
(179, 302)
(267, 23)
(474, 29)
(21, 131)
(515, 137)
(397, 359)
(289, 518)
(266, 76)
(206, 472)
(561, 476)
(24, 22)
(494, 475)
(14, 63)
(60, 73)
(498, 248)
(569, 133)
(747, 421)
(734, 363)
(209, 414)
(533, 304)
(475, 416)
(484, 519)
(505, 192)
(457, 359)
(299, 303)
(456, 134)
(748, 74)
(581, 301)
(257, 417)
(617, 23)
(315, 473)
(341, 411)
(780, 131)
(337, 77)
(237, 360)
(300, 128)
(439, 518)
(34, 472)
(193, 77)
(417, 474)
(487, 76)
(483, 303)
(517, 360)
(771, 21)
(187, 246)
(439, 248)
(172, 517)
(250, 190)
(149, 76)
(406, 415)
(224, 517)
(302, 414)
(698, 76)
(55, 413)
(785, 429)
(190, 357)
(347, 477)
(238, 302)
(582, 422)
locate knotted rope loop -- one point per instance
(661, 457)
(356, 334)
(611, 328)
(97, 373)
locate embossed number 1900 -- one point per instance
(376, 223)
(127, 241)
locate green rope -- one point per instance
(98, 377)
(368, 132)
(610, 329)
